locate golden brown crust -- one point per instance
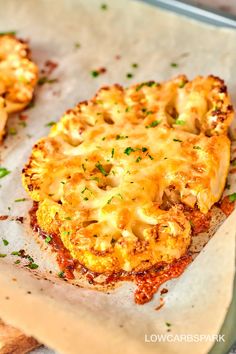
(14, 341)
(108, 168)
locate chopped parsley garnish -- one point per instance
(139, 159)
(168, 324)
(128, 150)
(2, 255)
(112, 152)
(144, 149)
(101, 169)
(94, 73)
(4, 172)
(119, 137)
(16, 253)
(23, 124)
(17, 261)
(68, 218)
(30, 105)
(233, 163)
(32, 265)
(196, 147)
(50, 124)
(61, 274)
(104, 7)
(20, 200)
(48, 239)
(174, 65)
(232, 197)
(86, 198)
(77, 45)
(178, 140)
(129, 75)
(153, 124)
(134, 65)
(182, 84)
(83, 167)
(45, 80)
(5, 242)
(12, 131)
(150, 157)
(180, 122)
(228, 186)
(8, 33)
(114, 196)
(148, 83)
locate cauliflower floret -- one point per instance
(114, 174)
(18, 75)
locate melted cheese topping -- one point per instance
(114, 172)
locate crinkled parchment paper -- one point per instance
(71, 319)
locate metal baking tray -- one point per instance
(203, 14)
(221, 19)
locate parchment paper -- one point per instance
(76, 320)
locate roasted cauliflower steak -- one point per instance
(115, 173)
(18, 77)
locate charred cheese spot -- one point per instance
(113, 173)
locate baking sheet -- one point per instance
(62, 316)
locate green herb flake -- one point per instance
(128, 150)
(112, 152)
(8, 33)
(135, 65)
(32, 265)
(180, 122)
(2, 255)
(120, 137)
(182, 84)
(138, 159)
(50, 124)
(20, 200)
(83, 167)
(23, 124)
(77, 45)
(4, 172)
(68, 218)
(232, 197)
(151, 157)
(148, 83)
(45, 80)
(196, 147)
(168, 324)
(101, 169)
(174, 65)
(12, 131)
(153, 124)
(17, 261)
(144, 149)
(16, 253)
(5, 242)
(61, 274)
(48, 239)
(104, 7)
(31, 105)
(129, 75)
(178, 140)
(233, 163)
(94, 73)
